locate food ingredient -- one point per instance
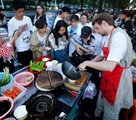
(36, 66)
(4, 107)
(13, 93)
(6, 78)
(133, 62)
(28, 78)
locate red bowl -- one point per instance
(34, 72)
(39, 59)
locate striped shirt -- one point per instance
(5, 50)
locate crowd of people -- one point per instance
(99, 43)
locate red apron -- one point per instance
(110, 80)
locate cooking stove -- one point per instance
(61, 106)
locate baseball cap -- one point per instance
(85, 32)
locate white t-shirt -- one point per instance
(42, 42)
(22, 43)
(36, 18)
(56, 20)
(61, 44)
(117, 48)
(80, 26)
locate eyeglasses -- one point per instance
(38, 8)
(83, 18)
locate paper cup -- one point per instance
(49, 65)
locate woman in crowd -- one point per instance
(72, 30)
(83, 22)
(87, 46)
(39, 13)
(59, 42)
(39, 39)
(126, 22)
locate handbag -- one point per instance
(77, 58)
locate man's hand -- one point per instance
(83, 65)
(23, 27)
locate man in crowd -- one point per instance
(116, 83)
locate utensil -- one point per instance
(72, 93)
(70, 71)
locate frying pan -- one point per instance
(70, 71)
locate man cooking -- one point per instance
(116, 83)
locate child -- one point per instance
(59, 41)
(6, 49)
(39, 39)
(21, 23)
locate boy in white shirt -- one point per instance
(24, 25)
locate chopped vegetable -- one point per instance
(133, 62)
(14, 93)
(36, 66)
(28, 78)
(6, 78)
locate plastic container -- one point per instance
(23, 89)
(20, 78)
(21, 94)
(20, 112)
(9, 85)
(11, 106)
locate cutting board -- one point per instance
(78, 84)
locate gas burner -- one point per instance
(42, 107)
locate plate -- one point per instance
(40, 59)
(45, 59)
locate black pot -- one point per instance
(40, 104)
(70, 71)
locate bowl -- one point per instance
(49, 65)
(34, 72)
(11, 106)
(24, 78)
(9, 85)
(10, 118)
(45, 59)
(20, 112)
(20, 95)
